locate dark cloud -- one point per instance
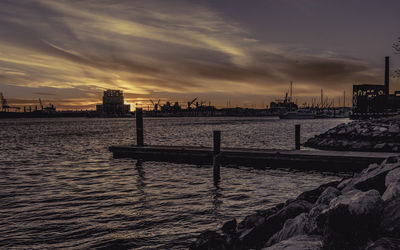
(153, 49)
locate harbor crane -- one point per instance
(156, 105)
(49, 108)
(4, 105)
(189, 104)
(41, 104)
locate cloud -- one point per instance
(154, 48)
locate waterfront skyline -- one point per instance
(68, 52)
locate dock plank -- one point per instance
(331, 161)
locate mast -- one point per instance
(322, 97)
(344, 98)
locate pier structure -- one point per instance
(330, 161)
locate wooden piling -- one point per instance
(139, 126)
(297, 136)
(216, 156)
(217, 141)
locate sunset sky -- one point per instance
(68, 52)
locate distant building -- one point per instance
(113, 103)
(375, 99)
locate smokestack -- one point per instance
(387, 76)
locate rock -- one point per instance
(250, 221)
(291, 228)
(351, 219)
(392, 176)
(313, 195)
(394, 129)
(380, 146)
(301, 242)
(344, 183)
(256, 237)
(392, 191)
(356, 146)
(375, 179)
(390, 224)
(326, 196)
(391, 160)
(209, 240)
(372, 135)
(252, 230)
(347, 185)
(315, 227)
(229, 227)
(385, 244)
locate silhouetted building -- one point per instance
(369, 98)
(113, 103)
(375, 99)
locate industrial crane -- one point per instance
(4, 105)
(189, 104)
(41, 104)
(50, 108)
(156, 105)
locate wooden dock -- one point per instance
(330, 161)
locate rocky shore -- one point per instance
(379, 135)
(362, 212)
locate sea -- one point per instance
(61, 188)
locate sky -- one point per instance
(227, 52)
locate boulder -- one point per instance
(380, 146)
(351, 219)
(257, 236)
(390, 225)
(394, 129)
(229, 227)
(313, 195)
(301, 242)
(392, 191)
(328, 194)
(314, 225)
(209, 240)
(384, 244)
(251, 232)
(375, 179)
(392, 176)
(291, 228)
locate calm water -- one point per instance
(60, 187)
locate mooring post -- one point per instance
(297, 136)
(139, 126)
(217, 142)
(217, 155)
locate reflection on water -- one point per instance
(60, 187)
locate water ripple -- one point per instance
(60, 187)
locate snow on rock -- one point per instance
(301, 242)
